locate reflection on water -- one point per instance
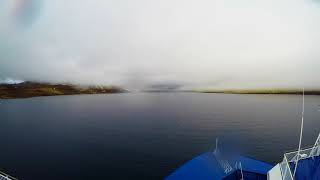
(144, 135)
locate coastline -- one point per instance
(32, 89)
(35, 89)
(262, 91)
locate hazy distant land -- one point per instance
(262, 91)
(34, 89)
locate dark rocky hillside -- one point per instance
(33, 89)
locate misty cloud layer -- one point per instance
(204, 43)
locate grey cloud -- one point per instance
(216, 43)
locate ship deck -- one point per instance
(207, 166)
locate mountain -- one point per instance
(32, 89)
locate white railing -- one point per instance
(4, 176)
(285, 169)
(304, 154)
(291, 157)
(316, 147)
(224, 164)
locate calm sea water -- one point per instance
(143, 135)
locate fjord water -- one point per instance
(143, 135)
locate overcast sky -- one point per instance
(135, 43)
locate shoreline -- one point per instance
(35, 89)
(262, 91)
(32, 89)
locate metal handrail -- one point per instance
(6, 176)
(316, 146)
(308, 151)
(288, 167)
(292, 156)
(300, 139)
(242, 178)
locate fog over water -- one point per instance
(205, 43)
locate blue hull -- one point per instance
(208, 167)
(307, 169)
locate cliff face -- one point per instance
(32, 89)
